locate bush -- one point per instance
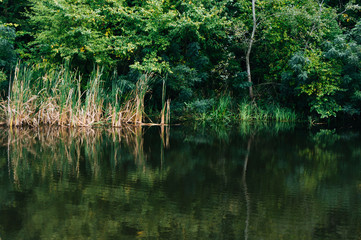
(7, 52)
(4, 83)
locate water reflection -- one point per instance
(246, 194)
(249, 182)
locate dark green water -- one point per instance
(248, 182)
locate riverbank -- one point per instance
(61, 97)
(57, 97)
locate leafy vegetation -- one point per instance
(305, 55)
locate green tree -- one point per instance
(7, 55)
(289, 27)
(346, 49)
(13, 12)
(169, 38)
(318, 79)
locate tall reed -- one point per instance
(248, 111)
(141, 89)
(54, 97)
(165, 112)
(21, 102)
(91, 112)
(59, 97)
(221, 111)
(130, 108)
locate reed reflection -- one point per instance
(250, 182)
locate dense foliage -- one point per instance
(305, 56)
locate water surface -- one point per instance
(246, 182)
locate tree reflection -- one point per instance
(245, 189)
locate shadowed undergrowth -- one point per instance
(226, 111)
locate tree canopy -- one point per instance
(305, 54)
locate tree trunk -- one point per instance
(249, 76)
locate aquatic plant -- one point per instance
(55, 97)
(20, 105)
(212, 110)
(221, 110)
(248, 111)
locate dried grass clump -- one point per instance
(55, 98)
(131, 110)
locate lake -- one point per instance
(187, 182)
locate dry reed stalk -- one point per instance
(165, 113)
(167, 120)
(162, 115)
(3, 108)
(57, 100)
(130, 112)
